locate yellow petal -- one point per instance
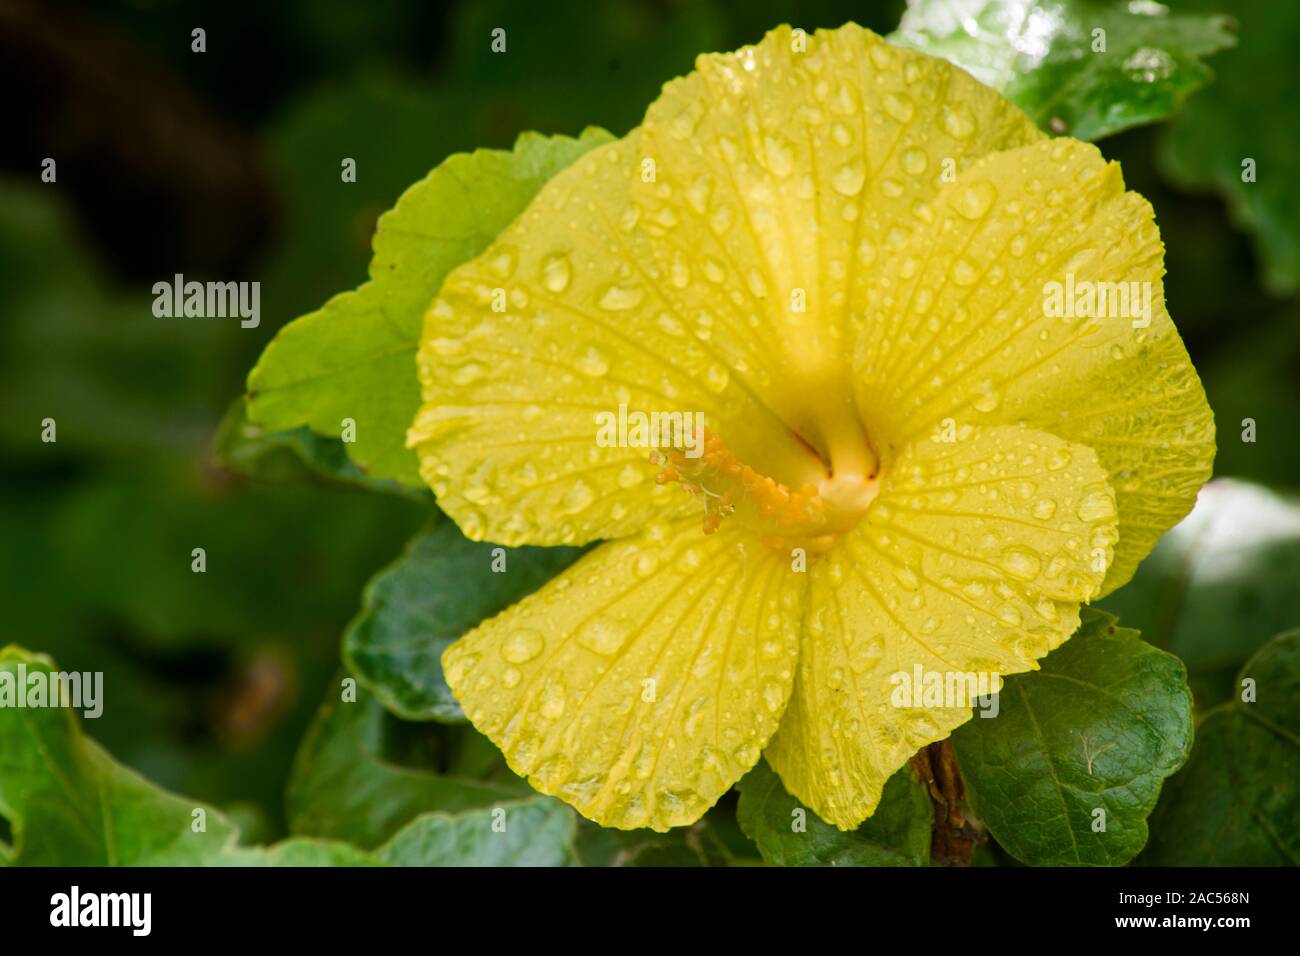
(954, 332)
(644, 681)
(973, 558)
(781, 172)
(508, 434)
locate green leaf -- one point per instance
(789, 834)
(1100, 727)
(1237, 802)
(1046, 57)
(1220, 583)
(299, 456)
(345, 787)
(413, 610)
(69, 803)
(534, 832)
(715, 840)
(355, 357)
(1248, 113)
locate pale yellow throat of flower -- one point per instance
(826, 492)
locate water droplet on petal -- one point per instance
(963, 273)
(502, 262)
(592, 363)
(915, 161)
(522, 645)
(899, 107)
(866, 653)
(958, 121)
(774, 696)
(578, 498)
(907, 578)
(620, 298)
(553, 700)
(848, 179)
(604, 635)
(976, 200)
(1059, 459)
(1095, 506)
(556, 272)
(467, 373)
(1021, 563)
(779, 154)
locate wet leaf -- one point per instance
(1048, 57)
(69, 803)
(354, 359)
(1237, 802)
(344, 786)
(534, 832)
(1068, 770)
(789, 834)
(1248, 113)
(416, 608)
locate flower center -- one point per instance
(813, 513)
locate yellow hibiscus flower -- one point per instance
(838, 251)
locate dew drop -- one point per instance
(1095, 506)
(689, 562)
(578, 498)
(987, 401)
(848, 179)
(1021, 563)
(779, 154)
(522, 646)
(976, 200)
(503, 262)
(467, 373)
(592, 363)
(915, 161)
(963, 273)
(620, 298)
(907, 578)
(899, 107)
(553, 700)
(679, 274)
(1009, 616)
(447, 347)
(958, 121)
(865, 654)
(604, 635)
(556, 272)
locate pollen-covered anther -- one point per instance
(725, 484)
